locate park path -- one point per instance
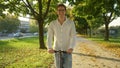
(88, 54)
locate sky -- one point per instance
(115, 22)
(23, 19)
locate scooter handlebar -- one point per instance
(60, 51)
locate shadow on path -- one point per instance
(98, 57)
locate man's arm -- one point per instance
(50, 39)
(72, 38)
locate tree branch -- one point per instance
(40, 8)
(27, 4)
(104, 16)
(118, 1)
(47, 10)
(109, 19)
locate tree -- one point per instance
(9, 24)
(37, 9)
(39, 16)
(106, 9)
(81, 25)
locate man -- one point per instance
(64, 34)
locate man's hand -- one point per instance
(50, 51)
(70, 50)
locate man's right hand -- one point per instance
(50, 51)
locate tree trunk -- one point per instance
(90, 32)
(41, 35)
(106, 32)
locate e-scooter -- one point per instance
(60, 57)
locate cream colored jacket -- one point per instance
(61, 37)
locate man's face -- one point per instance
(61, 11)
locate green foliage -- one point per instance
(3, 6)
(81, 25)
(52, 12)
(33, 26)
(9, 24)
(97, 12)
(23, 53)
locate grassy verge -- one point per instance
(23, 53)
(113, 45)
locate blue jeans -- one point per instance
(66, 60)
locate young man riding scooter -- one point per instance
(62, 31)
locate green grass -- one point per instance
(112, 45)
(23, 53)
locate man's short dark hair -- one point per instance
(59, 5)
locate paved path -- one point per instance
(88, 54)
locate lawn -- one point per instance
(23, 53)
(113, 45)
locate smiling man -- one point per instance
(63, 31)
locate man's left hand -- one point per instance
(70, 50)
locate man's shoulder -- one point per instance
(54, 21)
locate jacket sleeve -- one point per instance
(72, 36)
(50, 36)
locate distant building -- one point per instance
(24, 24)
(114, 28)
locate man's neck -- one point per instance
(61, 19)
